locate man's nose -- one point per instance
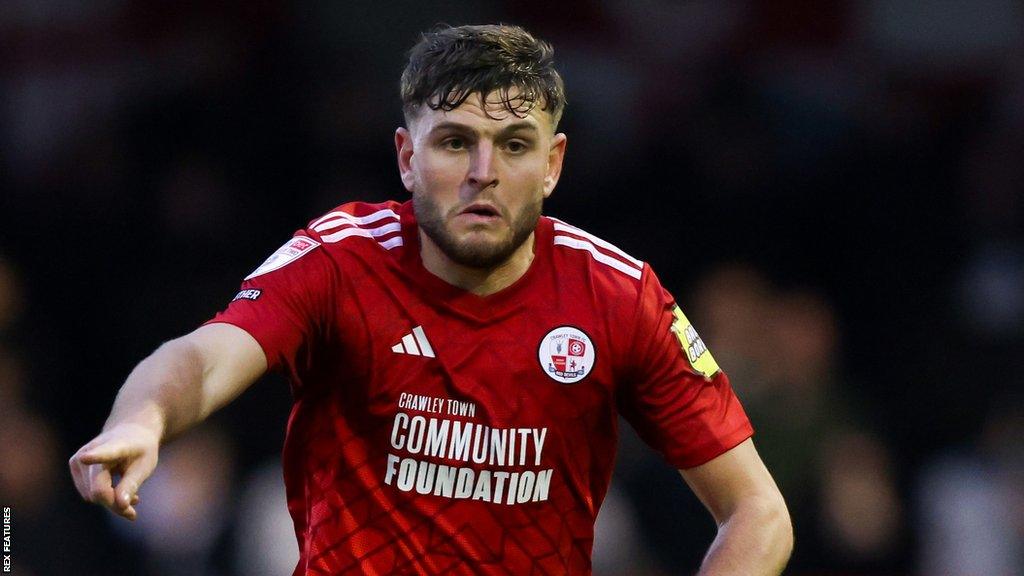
(482, 169)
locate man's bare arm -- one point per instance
(755, 535)
(178, 386)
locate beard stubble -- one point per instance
(480, 255)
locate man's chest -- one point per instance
(538, 360)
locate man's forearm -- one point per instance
(164, 392)
(756, 539)
(176, 387)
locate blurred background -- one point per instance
(833, 190)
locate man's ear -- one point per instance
(404, 149)
(556, 154)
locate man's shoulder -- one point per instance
(604, 262)
(376, 225)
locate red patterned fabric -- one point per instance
(436, 431)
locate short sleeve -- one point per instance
(676, 397)
(284, 304)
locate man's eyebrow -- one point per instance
(457, 126)
(517, 126)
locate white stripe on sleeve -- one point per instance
(601, 257)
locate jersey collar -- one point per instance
(459, 300)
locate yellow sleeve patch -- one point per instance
(696, 352)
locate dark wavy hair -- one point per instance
(449, 64)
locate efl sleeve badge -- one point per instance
(696, 352)
(291, 251)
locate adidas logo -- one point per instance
(415, 344)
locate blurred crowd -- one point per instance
(833, 190)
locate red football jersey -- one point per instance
(437, 431)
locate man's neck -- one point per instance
(479, 281)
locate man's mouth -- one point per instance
(481, 210)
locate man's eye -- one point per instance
(515, 146)
(454, 144)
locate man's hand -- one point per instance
(127, 450)
(173, 389)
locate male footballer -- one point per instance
(458, 361)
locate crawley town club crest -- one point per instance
(566, 354)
